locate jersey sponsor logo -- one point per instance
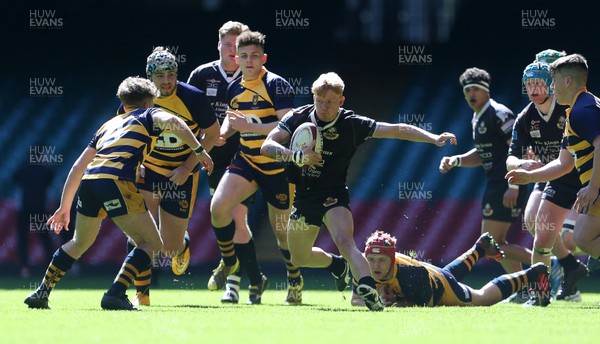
(535, 134)
(482, 129)
(331, 133)
(331, 201)
(212, 83)
(255, 99)
(487, 210)
(211, 92)
(112, 204)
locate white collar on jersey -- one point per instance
(313, 118)
(547, 116)
(229, 79)
(476, 115)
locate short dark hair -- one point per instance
(570, 62)
(247, 38)
(135, 91)
(475, 75)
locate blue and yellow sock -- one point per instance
(462, 265)
(59, 265)
(136, 261)
(293, 272)
(511, 283)
(225, 241)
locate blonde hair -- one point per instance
(328, 81)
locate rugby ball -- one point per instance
(304, 136)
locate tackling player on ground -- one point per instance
(404, 282)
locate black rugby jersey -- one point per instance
(544, 135)
(492, 129)
(341, 138)
(213, 80)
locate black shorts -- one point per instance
(491, 203)
(177, 200)
(275, 187)
(561, 194)
(214, 179)
(102, 197)
(539, 186)
(313, 205)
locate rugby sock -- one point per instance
(368, 280)
(293, 271)
(247, 255)
(225, 240)
(130, 246)
(59, 265)
(142, 282)
(462, 265)
(569, 263)
(337, 265)
(511, 283)
(136, 261)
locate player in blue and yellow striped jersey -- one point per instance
(257, 101)
(581, 138)
(214, 78)
(170, 175)
(105, 174)
(404, 281)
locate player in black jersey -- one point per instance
(536, 141)
(214, 78)
(581, 136)
(321, 195)
(492, 126)
(105, 174)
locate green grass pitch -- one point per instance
(197, 316)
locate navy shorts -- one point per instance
(214, 179)
(561, 194)
(275, 187)
(491, 203)
(177, 200)
(312, 206)
(109, 197)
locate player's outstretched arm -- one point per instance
(411, 133)
(60, 219)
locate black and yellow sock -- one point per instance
(569, 263)
(462, 265)
(511, 283)
(368, 280)
(293, 271)
(337, 265)
(136, 261)
(59, 265)
(142, 282)
(225, 240)
(247, 255)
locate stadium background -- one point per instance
(75, 54)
